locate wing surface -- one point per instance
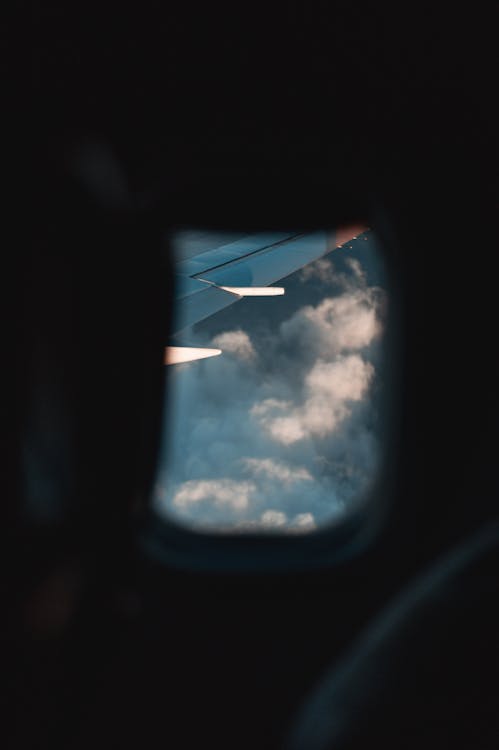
(212, 273)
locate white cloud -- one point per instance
(329, 388)
(272, 469)
(286, 430)
(271, 518)
(358, 272)
(303, 522)
(221, 492)
(237, 343)
(348, 322)
(276, 519)
(344, 379)
(322, 270)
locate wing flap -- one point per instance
(211, 280)
(176, 355)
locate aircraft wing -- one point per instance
(213, 271)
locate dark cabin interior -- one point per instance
(250, 122)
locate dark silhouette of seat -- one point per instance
(425, 674)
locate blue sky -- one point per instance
(282, 431)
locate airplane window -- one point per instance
(274, 367)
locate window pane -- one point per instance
(282, 430)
